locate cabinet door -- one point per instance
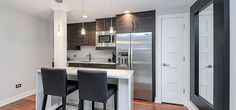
(75, 65)
(73, 36)
(75, 39)
(91, 33)
(100, 24)
(73, 46)
(136, 22)
(104, 24)
(145, 22)
(99, 66)
(83, 40)
(124, 23)
(108, 23)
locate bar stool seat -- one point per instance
(71, 88)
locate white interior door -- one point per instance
(172, 32)
(206, 55)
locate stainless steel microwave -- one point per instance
(105, 39)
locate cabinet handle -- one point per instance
(164, 64)
(132, 26)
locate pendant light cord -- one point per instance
(111, 12)
(83, 6)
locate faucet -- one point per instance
(89, 56)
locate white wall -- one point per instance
(60, 40)
(26, 44)
(232, 55)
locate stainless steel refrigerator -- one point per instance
(134, 52)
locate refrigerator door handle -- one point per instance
(129, 58)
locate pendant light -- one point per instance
(83, 30)
(111, 28)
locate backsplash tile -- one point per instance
(97, 55)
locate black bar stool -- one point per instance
(55, 83)
(93, 87)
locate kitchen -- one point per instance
(124, 42)
(103, 47)
(116, 55)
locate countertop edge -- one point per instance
(128, 75)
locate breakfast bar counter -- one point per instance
(123, 79)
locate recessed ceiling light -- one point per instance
(85, 16)
(127, 11)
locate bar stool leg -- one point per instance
(81, 104)
(115, 101)
(104, 106)
(63, 103)
(45, 97)
(93, 105)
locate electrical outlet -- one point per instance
(74, 55)
(18, 85)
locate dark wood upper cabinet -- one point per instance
(136, 22)
(73, 31)
(90, 33)
(104, 24)
(75, 39)
(123, 23)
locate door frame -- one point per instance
(186, 55)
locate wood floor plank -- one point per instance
(29, 104)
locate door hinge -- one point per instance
(183, 91)
(184, 58)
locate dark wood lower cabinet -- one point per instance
(75, 65)
(106, 66)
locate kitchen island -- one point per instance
(123, 78)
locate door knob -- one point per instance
(209, 66)
(164, 64)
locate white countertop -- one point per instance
(111, 73)
(93, 62)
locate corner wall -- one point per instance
(26, 44)
(232, 55)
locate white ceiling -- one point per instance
(93, 8)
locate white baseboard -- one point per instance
(157, 100)
(16, 98)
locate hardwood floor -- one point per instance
(29, 104)
(24, 104)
